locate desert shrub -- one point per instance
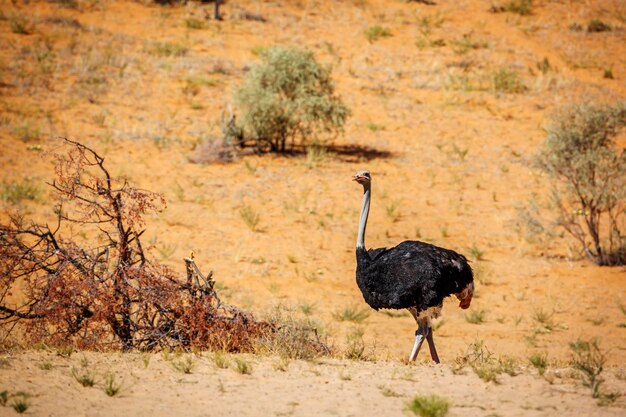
(521, 7)
(289, 100)
(106, 292)
(588, 174)
(597, 25)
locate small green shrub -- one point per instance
(506, 81)
(289, 100)
(20, 25)
(589, 360)
(429, 406)
(597, 25)
(373, 33)
(4, 397)
(192, 23)
(521, 7)
(20, 405)
(539, 361)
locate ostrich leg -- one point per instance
(424, 331)
(420, 334)
(431, 345)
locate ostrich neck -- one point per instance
(360, 240)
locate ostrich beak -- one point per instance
(356, 178)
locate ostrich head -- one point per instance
(362, 177)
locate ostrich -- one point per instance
(412, 275)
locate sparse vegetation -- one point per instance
(17, 191)
(242, 366)
(353, 313)
(587, 174)
(111, 387)
(355, 345)
(392, 210)
(221, 359)
(476, 317)
(289, 100)
(597, 25)
(506, 80)
(476, 253)
(539, 361)
(168, 49)
(20, 404)
(521, 7)
(429, 406)
(483, 363)
(373, 33)
(250, 217)
(294, 338)
(84, 377)
(589, 360)
(184, 364)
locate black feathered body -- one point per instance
(412, 274)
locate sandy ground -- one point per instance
(451, 165)
(150, 386)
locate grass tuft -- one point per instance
(242, 366)
(476, 317)
(86, 378)
(352, 313)
(250, 217)
(373, 33)
(539, 361)
(111, 388)
(184, 365)
(429, 406)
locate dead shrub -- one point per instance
(105, 293)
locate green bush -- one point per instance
(288, 100)
(588, 174)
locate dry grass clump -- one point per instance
(292, 338)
